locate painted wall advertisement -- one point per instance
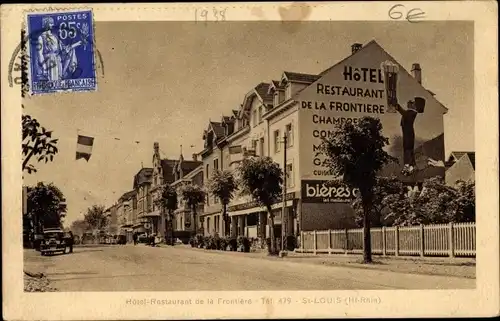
(356, 88)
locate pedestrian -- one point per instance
(153, 239)
(71, 242)
(134, 236)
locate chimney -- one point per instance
(195, 157)
(356, 47)
(416, 72)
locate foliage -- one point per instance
(46, 206)
(96, 217)
(37, 142)
(78, 227)
(193, 195)
(384, 187)
(437, 203)
(223, 186)
(262, 178)
(168, 199)
(168, 203)
(355, 154)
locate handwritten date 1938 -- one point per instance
(206, 15)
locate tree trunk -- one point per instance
(195, 222)
(367, 242)
(226, 220)
(271, 233)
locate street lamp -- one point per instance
(283, 209)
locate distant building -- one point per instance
(165, 171)
(460, 166)
(183, 215)
(125, 208)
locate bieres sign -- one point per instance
(320, 192)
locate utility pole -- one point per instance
(283, 210)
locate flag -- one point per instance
(84, 147)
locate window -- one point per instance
(288, 91)
(289, 135)
(208, 224)
(261, 151)
(216, 200)
(254, 145)
(276, 141)
(260, 114)
(206, 170)
(276, 98)
(289, 175)
(254, 114)
(216, 164)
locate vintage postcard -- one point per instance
(258, 160)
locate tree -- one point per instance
(46, 206)
(96, 218)
(223, 186)
(463, 207)
(193, 195)
(168, 204)
(37, 142)
(262, 179)
(79, 227)
(437, 203)
(384, 187)
(355, 154)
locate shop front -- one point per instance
(251, 220)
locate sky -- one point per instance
(163, 81)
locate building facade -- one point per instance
(125, 209)
(166, 171)
(304, 108)
(461, 166)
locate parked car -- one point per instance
(54, 240)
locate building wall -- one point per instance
(280, 123)
(460, 170)
(211, 205)
(320, 216)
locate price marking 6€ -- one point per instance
(206, 15)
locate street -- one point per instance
(144, 268)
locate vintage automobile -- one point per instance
(54, 241)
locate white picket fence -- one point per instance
(453, 240)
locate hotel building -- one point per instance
(305, 107)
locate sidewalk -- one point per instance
(456, 267)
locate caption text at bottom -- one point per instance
(347, 300)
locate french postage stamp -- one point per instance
(61, 50)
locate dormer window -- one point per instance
(288, 89)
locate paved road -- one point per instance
(143, 268)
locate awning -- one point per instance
(151, 214)
(260, 209)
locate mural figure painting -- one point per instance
(408, 117)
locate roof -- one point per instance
(189, 166)
(455, 156)
(295, 76)
(143, 176)
(262, 90)
(167, 166)
(235, 112)
(127, 195)
(218, 129)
